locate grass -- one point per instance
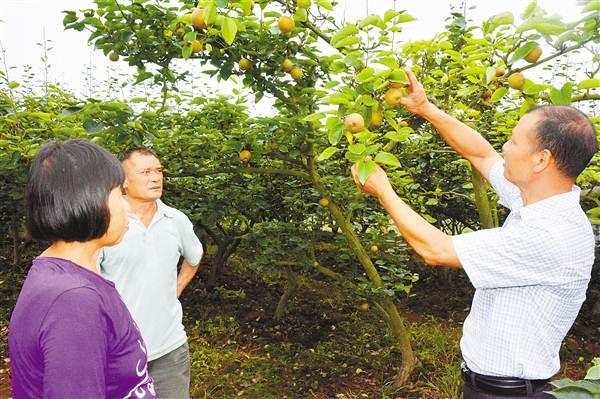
(321, 348)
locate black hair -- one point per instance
(136, 150)
(568, 134)
(68, 189)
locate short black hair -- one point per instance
(568, 134)
(136, 150)
(68, 189)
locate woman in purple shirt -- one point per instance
(70, 334)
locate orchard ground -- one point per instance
(325, 346)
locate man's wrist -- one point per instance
(428, 110)
(386, 196)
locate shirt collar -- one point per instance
(552, 204)
(161, 210)
(164, 210)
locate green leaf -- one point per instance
(592, 5)
(399, 136)
(347, 30)
(335, 128)
(190, 36)
(144, 75)
(301, 15)
(593, 373)
(317, 116)
(499, 93)
(348, 41)
(387, 158)
(367, 100)
(390, 62)
(70, 111)
(13, 85)
(545, 26)
(325, 4)
(522, 52)
(357, 148)
(210, 13)
(246, 6)
(531, 7)
(562, 96)
(398, 75)
(505, 18)
(389, 14)
(588, 84)
(490, 74)
(41, 115)
(567, 37)
(473, 70)
(389, 116)
(91, 126)
(369, 20)
(335, 134)
(533, 88)
(404, 17)
(327, 153)
(365, 75)
(366, 168)
(186, 51)
(337, 99)
(229, 30)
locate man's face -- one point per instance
(521, 151)
(143, 177)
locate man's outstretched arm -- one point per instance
(463, 139)
(430, 243)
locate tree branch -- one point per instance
(249, 170)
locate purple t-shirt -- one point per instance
(71, 336)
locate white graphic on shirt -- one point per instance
(146, 385)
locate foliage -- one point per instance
(589, 387)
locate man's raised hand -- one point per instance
(416, 101)
(376, 185)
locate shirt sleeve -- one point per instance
(510, 195)
(74, 343)
(192, 250)
(513, 256)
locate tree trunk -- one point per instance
(290, 289)
(395, 322)
(224, 251)
(213, 273)
(482, 202)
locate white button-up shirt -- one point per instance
(143, 267)
(530, 276)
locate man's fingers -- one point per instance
(414, 83)
(355, 176)
(411, 76)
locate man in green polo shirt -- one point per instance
(144, 269)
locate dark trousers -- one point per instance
(469, 392)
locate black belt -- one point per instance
(504, 386)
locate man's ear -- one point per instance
(544, 159)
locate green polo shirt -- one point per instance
(144, 269)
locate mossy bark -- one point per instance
(387, 306)
(487, 212)
(290, 289)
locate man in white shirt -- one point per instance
(144, 269)
(532, 273)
